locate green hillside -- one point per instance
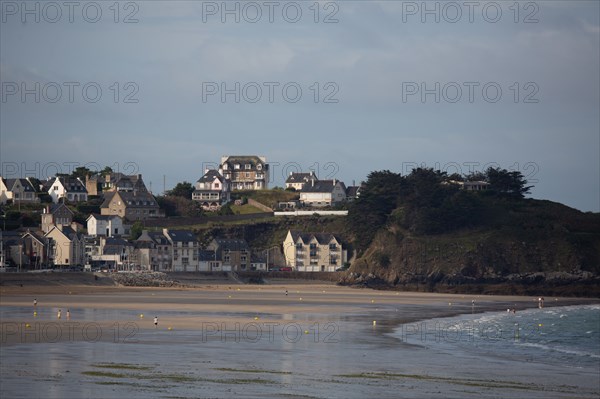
(428, 234)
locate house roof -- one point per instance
(322, 238)
(116, 241)
(27, 186)
(243, 160)
(232, 244)
(300, 177)
(352, 191)
(56, 207)
(181, 235)
(206, 255)
(36, 236)
(321, 186)
(140, 199)
(210, 176)
(152, 236)
(72, 185)
(67, 231)
(102, 217)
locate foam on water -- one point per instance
(568, 336)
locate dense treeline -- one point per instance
(428, 201)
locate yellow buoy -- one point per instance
(539, 325)
(27, 325)
(372, 300)
(256, 318)
(374, 322)
(305, 331)
(170, 328)
(141, 316)
(34, 313)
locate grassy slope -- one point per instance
(519, 238)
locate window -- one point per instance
(313, 246)
(226, 259)
(259, 167)
(236, 166)
(247, 174)
(333, 247)
(248, 166)
(243, 258)
(299, 245)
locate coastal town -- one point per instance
(129, 231)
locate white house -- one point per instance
(314, 252)
(72, 190)
(212, 190)
(105, 225)
(17, 190)
(319, 193)
(184, 250)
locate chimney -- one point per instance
(334, 182)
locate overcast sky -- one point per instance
(343, 88)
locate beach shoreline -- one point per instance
(224, 339)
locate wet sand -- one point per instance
(223, 340)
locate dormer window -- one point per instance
(248, 166)
(259, 166)
(224, 166)
(236, 166)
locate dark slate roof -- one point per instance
(153, 236)
(73, 185)
(322, 238)
(321, 186)
(56, 207)
(210, 176)
(40, 238)
(70, 233)
(206, 255)
(245, 159)
(10, 183)
(140, 199)
(300, 177)
(115, 241)
(232, 244)
(107, 198)
(182, 235)
(352, 191)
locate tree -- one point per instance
(183, 189)
(503, 182)
(106, 171)
(136, 230)
(371, 209)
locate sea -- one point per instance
(566, 335)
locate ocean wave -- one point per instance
(559, 349)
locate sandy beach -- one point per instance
(285, 339)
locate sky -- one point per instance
(343, 88)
